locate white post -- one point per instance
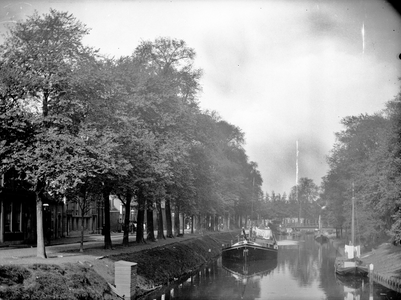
(371, 267)
(125, 278)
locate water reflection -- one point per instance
(357, 288)
(304, 269)
(249, 269)
(249, 274)
(354, 287)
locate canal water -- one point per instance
(304, 269)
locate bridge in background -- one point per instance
(308, 227)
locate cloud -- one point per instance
(280, 70)
(293, 86)
(12, 12)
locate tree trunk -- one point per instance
(106, 230)
(169, 222)
(149, 224)
(141, 217)
(199, 223)
(81, 247)
(139, 228)
(40, 249)
(40, 184)
(213, 224)
(192, 224)
(160, 228)
(183, 223)
(126, 227)
(177, 221)
(83, 206)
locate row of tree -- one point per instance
(364, 164)
(303, 202)
(78, 125)
(367, 156)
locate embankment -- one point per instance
(73, 276)
(386, 260)
(162, 265)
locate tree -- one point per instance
(308, 193)
(116, 110)
(165, 101)
(333, 187)
(126, 201)
(41, 55)
(393, 165)
(361, 158)
(87, 161)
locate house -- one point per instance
(93, 220)
(60, 217)
(17, 216)
(18, 213)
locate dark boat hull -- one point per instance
(355, 267)
(353, 271)
(249, 252)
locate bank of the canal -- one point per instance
(69, 274)
(386, 260)
(162, 265)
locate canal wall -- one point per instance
(386, 260)
(162, 265)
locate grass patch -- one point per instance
(46, 281)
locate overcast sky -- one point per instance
(282, 71)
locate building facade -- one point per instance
(61, 218)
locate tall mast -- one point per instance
(353, 217)
(253, 194)
(296, 184)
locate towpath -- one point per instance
(66, 250)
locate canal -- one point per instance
(304, 269)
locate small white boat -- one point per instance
(351, 264)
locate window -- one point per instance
(7, 216)
(16, 217)
(12, 217)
